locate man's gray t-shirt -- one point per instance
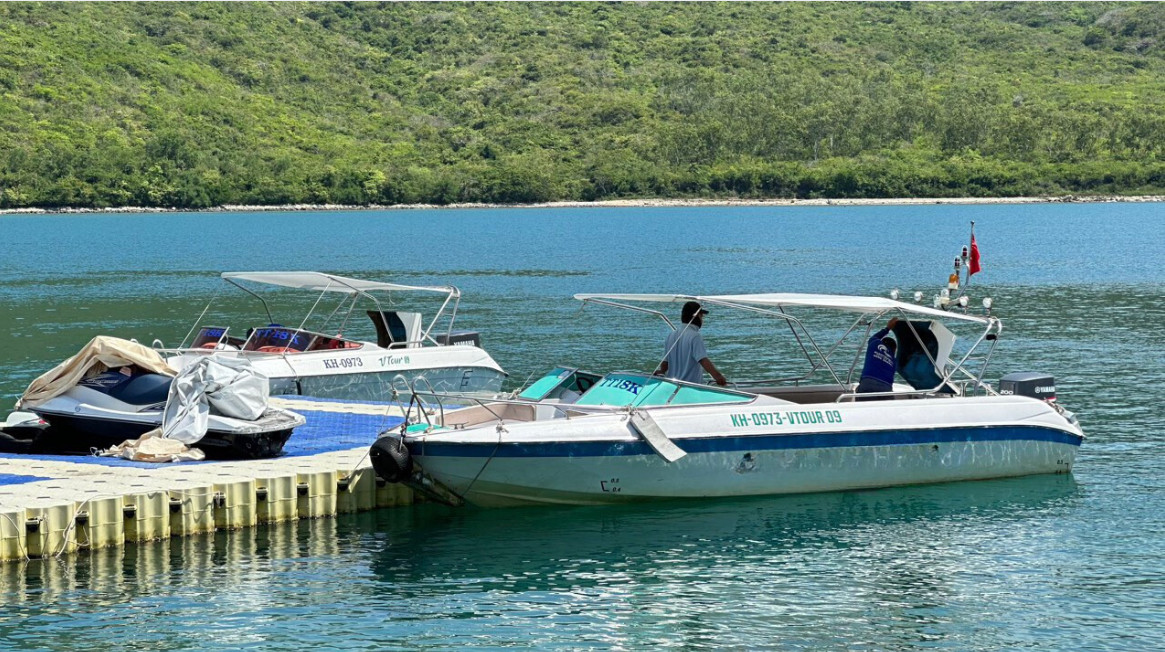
(684, 349)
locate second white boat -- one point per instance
(319, 356)
(635, 436)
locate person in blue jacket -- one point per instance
(878, 370)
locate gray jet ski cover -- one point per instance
(229, 386)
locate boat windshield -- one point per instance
(641, 390)
(560, 383)
(278, 339)
(209, 337)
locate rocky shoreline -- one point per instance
(614, 203)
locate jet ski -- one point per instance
(19, 432)
(107, 409)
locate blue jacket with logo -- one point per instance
(879, 363)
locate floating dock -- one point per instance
(56, 505)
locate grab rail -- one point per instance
(432, 392)
(399, 379)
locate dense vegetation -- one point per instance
(196, 105)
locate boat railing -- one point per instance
(850, 397)
(432, 392)
(961, 389)
(399, 383)
(972, 385)
(792, 381)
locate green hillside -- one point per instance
(196, 105)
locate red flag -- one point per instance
(973, 266)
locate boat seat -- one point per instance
(146, 389)
(325, 343)
(395, 329)
(553, 408)
(136, 388)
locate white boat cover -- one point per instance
(101, 354)
(321, 282)
(230, 385)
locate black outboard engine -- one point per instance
(469, 338)
(1029, 383)
(390, 459)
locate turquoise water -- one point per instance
(1045, 563)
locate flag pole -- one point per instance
(967, 262)
(967, 255)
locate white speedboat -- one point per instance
(323, 355)
(635, 436)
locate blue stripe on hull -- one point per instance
(750, 443)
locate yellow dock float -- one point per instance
(56, 505)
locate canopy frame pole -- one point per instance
(214, 296)
(790, 319)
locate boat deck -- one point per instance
(52, 505)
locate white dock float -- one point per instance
(55, 505)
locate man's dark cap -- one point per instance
(690, 310)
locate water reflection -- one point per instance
(694, 572)
(217, 591)
(711, 571)
(425, 541)
(992, 565)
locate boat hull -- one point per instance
(72, 434)
(378, 386)
(572, 479)
(369, 375)
(604, 459)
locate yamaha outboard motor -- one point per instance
(1029, 383)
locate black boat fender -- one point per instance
(391, 459)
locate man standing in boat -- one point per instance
(684, 355)
(878, 370)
